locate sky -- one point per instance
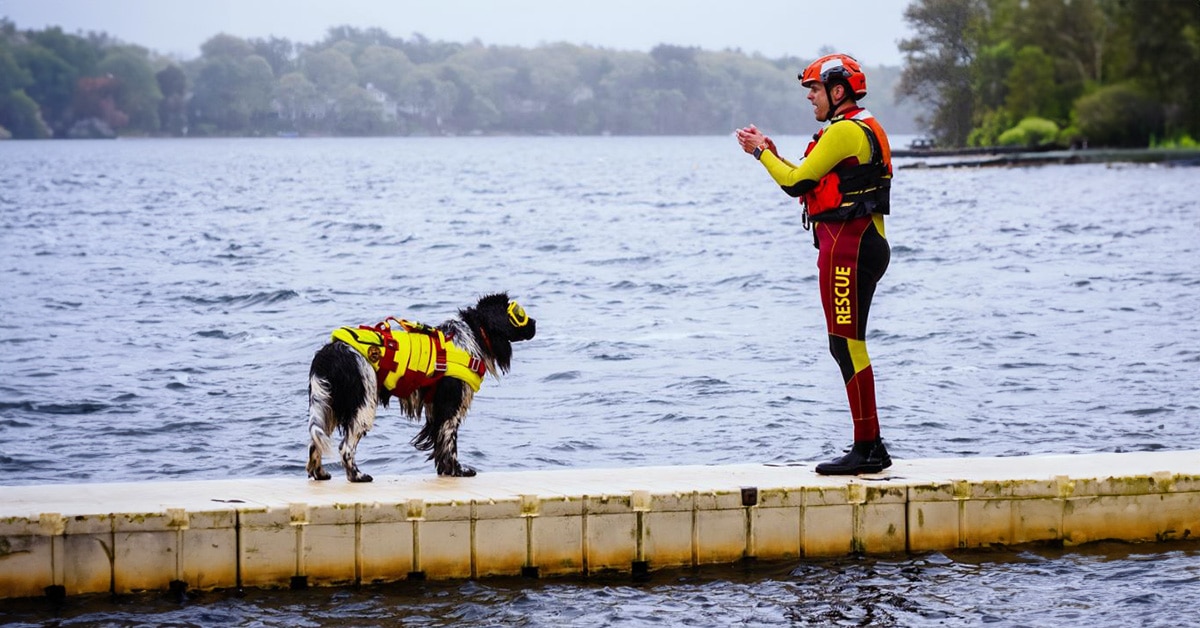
(868, 29)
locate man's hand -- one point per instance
(750, 138)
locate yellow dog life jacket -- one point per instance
(411, 358)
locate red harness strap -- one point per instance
(385, 360)
(412, 380)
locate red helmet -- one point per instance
(834, 67)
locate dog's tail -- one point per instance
(320, 414)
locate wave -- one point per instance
(1148, 411)
(55, 408)
(244, 300)
(143, 429)
(221, 334)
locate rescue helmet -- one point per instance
(833, 68)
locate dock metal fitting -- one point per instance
(416, 510)
(1164, 480)
(52, 524)
(640, 501)
(177, 518)
(298, 514)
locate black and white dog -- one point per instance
(433, 371)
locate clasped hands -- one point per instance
(751, 138)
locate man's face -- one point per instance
(819, 100)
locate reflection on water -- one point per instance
(1102, 584)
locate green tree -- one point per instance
(20, 116)
(299, 103)
(384, 68)
(470, 110)
(229, 93)
(216, 104)
(137, 92)
(427, 100)
(224, 45)
(1075, 33)
(51, 84)
(360, 113)
(938, 63)
(330, 70)
(58, 61)
(12, 75)
(1159, 50)
(423, 51)
(621, 108)
(172, 109)
(1120, 115)
(258, 88)
(232, 88)
(279, 52)
(80, 53)
(990, 72)
(352, 41)
(1030, 88)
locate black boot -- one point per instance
(864, 457)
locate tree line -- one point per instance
(1104, 72)
(368, 82)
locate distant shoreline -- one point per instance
(1025, 156)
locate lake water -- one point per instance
(161, 301)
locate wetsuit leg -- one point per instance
(853, 256)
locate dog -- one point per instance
(433, 371)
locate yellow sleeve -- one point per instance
(841, 140)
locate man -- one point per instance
(843, 182)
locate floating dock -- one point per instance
(75, 539)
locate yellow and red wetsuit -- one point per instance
(844, 182)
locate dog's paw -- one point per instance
(361, 477)
(319, 474)
(460, 471)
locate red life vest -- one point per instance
(852, 190)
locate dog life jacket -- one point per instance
(411, 358)
(852, 190)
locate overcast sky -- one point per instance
(869, 29)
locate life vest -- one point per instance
(852, 190)
(411, 358)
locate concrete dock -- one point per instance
(282, 532)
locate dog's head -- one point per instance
(499, 321)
